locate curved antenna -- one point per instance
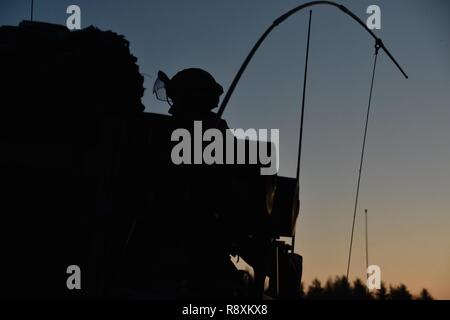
(281, 19)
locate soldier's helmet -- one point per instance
(189, 91)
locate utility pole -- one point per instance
(367, 243)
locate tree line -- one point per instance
(342, 289)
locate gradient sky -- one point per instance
(406, 178)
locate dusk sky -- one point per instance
(406, 177)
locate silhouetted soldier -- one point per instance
(192, 95)
(187, 231)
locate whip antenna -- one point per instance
(367, 241)
(377, 49)
(32, 9)
(302, 116)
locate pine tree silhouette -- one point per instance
(425, 295)
(341, 289)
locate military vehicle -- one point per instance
(87, 180)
